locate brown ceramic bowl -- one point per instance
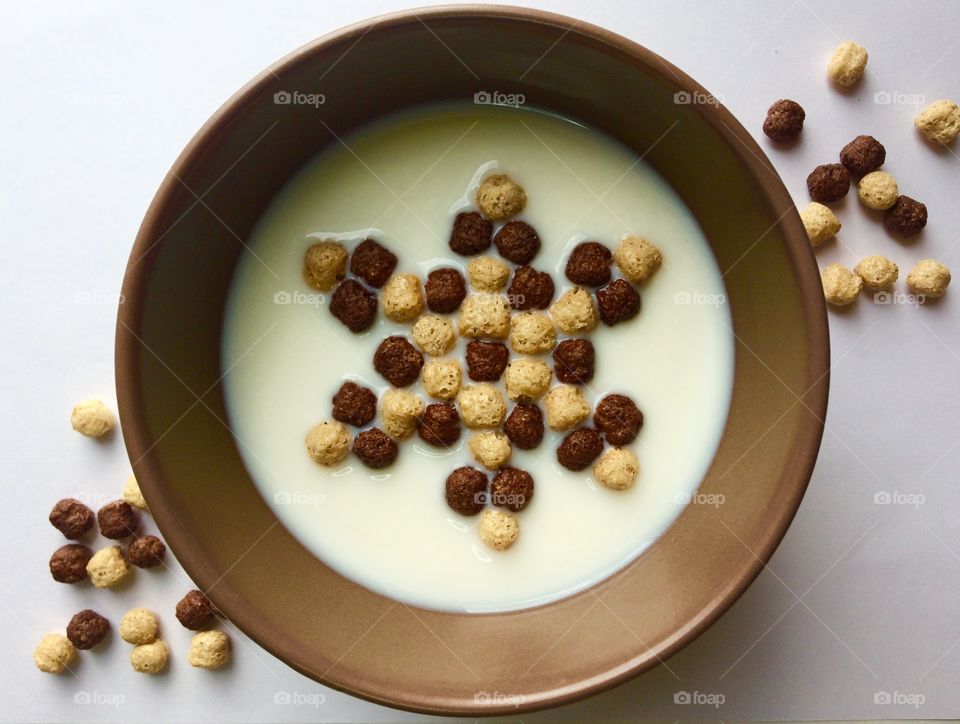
(335, 631)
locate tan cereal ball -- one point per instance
(527, 379)
(940, 121)
(442, 379)
(820, 222)
(498, 528)
(500, 197)
(878, 190)
(574, 312)
(402, 298)
(107, 567)
(92, 418)
(616, 469)
(150, 658)
(847, 63)
(566, 407)
(139, 626)
(209, 650)
(490, 449)
(54, 653)
(481, 406)
(324, 264)
(532, 333)
(840, 285)
(485, 315)
(328, 443)
(132, 494)
(400, 411)
(637, 258)
(877, 272)
(434, 335)
(487, 274)
(929, 278)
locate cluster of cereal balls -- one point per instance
(513, 319)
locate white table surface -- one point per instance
(860, 599)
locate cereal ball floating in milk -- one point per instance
(574, 360)
(589, 264)
(68, 564)
(847, 63)
(637, 258)
(400, 412)
(131, 493)
(617, 469)
(490, 449)
(375, 449)
(209, 650)
(486, 361)
(481, 406)
(532, 333)
(579, 449)
(445, 290)
(72, 518)
(820, 222)
(878, 190)
(530, 289)
(527, 379)
(434, 335)
(574, 312)
(440, 425)
(862, 155)
(442, 379)
(54, 654)
(500, 197)
(518, 242)
(107, 567)
(498, 529)
(618, 302)
(471, 234)
(485, 315)
(354, 404)
(466, 490)
(87, 628)
(92, 418)
(324, 265)
(929, 278)
(139, 626)
(940, 121)
(354, 306)
(618, 418)
(487, 274)
(328, 443)
(373, 263)
(150, 658)
(566, 407)
(511, 488)
(877, 272)
(840, 285)
(402, 298)
(398, 361)
(524, 426)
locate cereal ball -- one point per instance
(530, 289)
(486, 361)
(527, 379)
(532, 333)
(929, 278)
(878, 190)
(840, 285)
(402, 298)
(107, 567)
(573, 312)
(146, 551)
(466, 491)
(487, 274)
(209, 650)
(820, 222)
(87, 628)
(618, 302)
(589, 264)
(131, 493)
(442, 379)
(637, 258)
(471, 234)
(580, 448)
(72, 518)
(862, 155)
(445, 289)
(618, 418)
(54, 653)
(940, 121)
(354, 305)
(518, 242)
(877, 272)
(92, 418)
(573, 359)
(354, 405)
(498, 529)
(139, 626)
(194, 611)
(906, 217)
(485, 315)
(524, 426)
(828, 182)
(373, 263)
(434, 335)
(481, 406)
(400, 412)
(566, 407)
(68, 564)
(616, 469)
(117, 520)
(150, 658)
(784, 121)
(490, 449)
(324, 265)
(328, 443)
(847, 63)
(398, 361)
(375, 448)
(500, 197)
(440, 425)
(512, 489)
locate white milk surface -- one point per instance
(401, 181)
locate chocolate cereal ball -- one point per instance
(398, 361)
(784, 121)
(589, 264)
(862, 155)
(87, 628)
(828, 182)
(471, 234)
(117, 520)
(354, 305)
(354, 405)
(573, 361)
(512, 489)
(580, 448)
(524, 426)
(466, 490)
(618, 302)
(445, 289)
(68, 564)
(195, 611)
(486, 361)
(373, 263)
(72, 518)
(906, 217)
(146, 551)
(530, 289)
(518, 242)
(440, 425)
(618, 418)
(375, 448)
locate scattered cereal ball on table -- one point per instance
(107, 567)
(440, 425)
(532, 333)
(862, 155)
(618, 302)
(579, 449)
(402, 298)
(527, 379)
(72, 518)
(907, 217)
(146, 551)
(328, 443)
(940, 121)
(840, 285)
(354, 405)
(828, 182)
(466, 491)
(566, 407)
(54, 654)
(324, 265)
(209, 650)
(490, 449)
(68, 564)
(820, 222)
(92, 418)
(518, 242)
(442, 379)
(398, 361)
(784, 121)
(500, 197)
(117, 520)
(573, 360)
(373, 263)
(618, 418)
(375, 448)
(481, 406)
(847, 63)
(637, 258)
(878, 190)
(530, 289)
(524, 426)
(574, 312)
(512, 489)
(434, 335)
(877, 272)
(131, 493)
(471, 234)
(139, 626)
(354, 305)
(400, 412)
(485, 315)
(150, 658)
(87, 628)
(589, 264)
(194, 610)
(487, 274)
(929, 278)
(616, 469)
(498, 529)
(445, 290)
(486, 361)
